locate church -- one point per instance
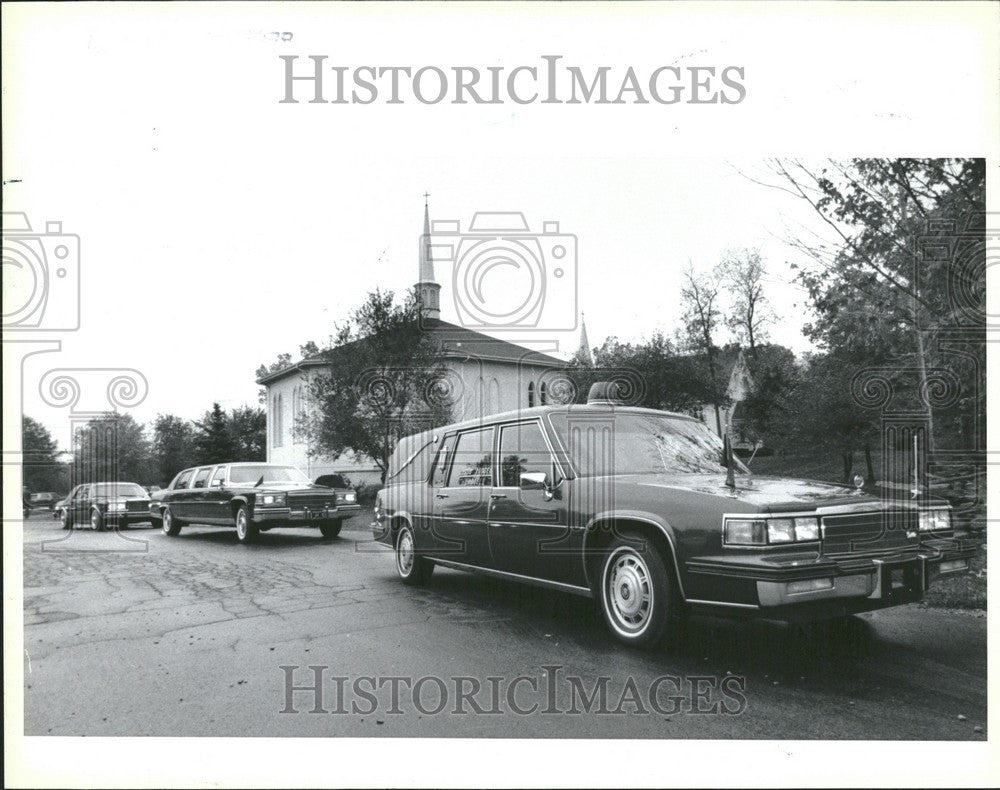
(486, 376)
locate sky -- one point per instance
(219, 228)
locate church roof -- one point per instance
(454, 342)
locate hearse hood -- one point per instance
(761, 493)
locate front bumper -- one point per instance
(126, 516)
(797, 587)
(301, 517)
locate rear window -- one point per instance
(412, 459)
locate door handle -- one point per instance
(498, 496)
(441, 496)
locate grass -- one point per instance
(961, 591)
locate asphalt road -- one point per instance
(140, 634)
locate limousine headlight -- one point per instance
(769, 531)
(352, 497)
(934, 520)
(116, 506)
(273, 500)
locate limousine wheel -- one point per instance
(635, 591)
(170, 526)
(246, 530)
(330, 529)
(412, 568)
(66, 519)
(96, 520)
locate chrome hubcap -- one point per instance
(404, 552)
(241, 524)
(166, 520)
(630, 592)
(93, 520)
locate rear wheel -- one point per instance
(246, 530)
(170, 525)
(330, 529)
(636, 593)
(411, 567)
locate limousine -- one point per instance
(652, 514)
(251, 498)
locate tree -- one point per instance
(113, 448)
(248, 433)
(213, 438)
(385, 380)
(41, 468)
(774, 374)
(701, 316)
(173, 446)
(742, 273)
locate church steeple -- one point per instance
(583, 353)
(428, 290)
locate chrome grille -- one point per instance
(855, 533)
(312, 501)
(137, 506)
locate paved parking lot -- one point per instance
(140, 634)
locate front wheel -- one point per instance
(412, 568)
(96, 520)
(170, 525)
(636, 591)
(330, 529)
(66, 519)
(246, 530)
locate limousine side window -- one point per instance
(472, 465)
(219, 478)
(522, 450)
(182, 481)
(201, 479)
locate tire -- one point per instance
(330, 529)
(246, 530)
(412, 568)
(637, 591)
(66, 519)
(170, 525)
(96, 520)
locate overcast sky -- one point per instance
(220, 228)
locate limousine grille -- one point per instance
(854, 533)
(312, 501)
(136, 506)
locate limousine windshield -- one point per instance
(640, 444)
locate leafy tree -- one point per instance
(774, 374)
(248, 433)
(742, 273)
(385, 380)
(113, 447)
(173, 446)
(213, 439)
(42, 470)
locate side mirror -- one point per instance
(534, 481)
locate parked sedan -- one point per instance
(43, 500)
(101, 505)
(252, 498)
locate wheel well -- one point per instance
(601, 533)
(234, 507)
(394, 524)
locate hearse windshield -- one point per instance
(626, 444)
(271, 474)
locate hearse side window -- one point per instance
(184, 479)
(523, 449)
(219, 478)
(441, 465)
(472, 465)
(411, 462)
(201, 479)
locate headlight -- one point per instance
(350, 497)
(116, 506)
(935, 520)
(276, 500)
(770, 531)
(746, 532)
